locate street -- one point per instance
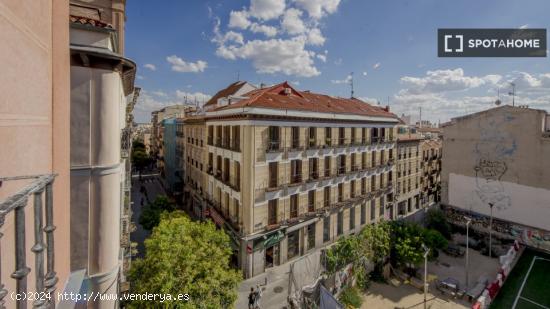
(153, 187)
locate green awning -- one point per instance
(268, 240)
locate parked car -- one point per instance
(454, 250)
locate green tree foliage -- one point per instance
(150, 215)
(140, 159)
(435, 241)
(138, 145)
(343, 252)
(407, 243)
(351, 298)
(183, 256)
(436, 220)
(375, 241)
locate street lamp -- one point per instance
(468, 221)
(426, 252)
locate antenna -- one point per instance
(498, 102)
(421, 116)
(513, 93)
(351, 83)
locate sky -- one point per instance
(187, 50)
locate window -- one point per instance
(372, 210)
(326, 196)
(272, 212)
(293, 244)
(340, 226)
(352, 218)
(363, 186)
(274, 138)
(382, 206)
(313, 168)
(273, 171)
(363, 135)
(311, 201)
(363, 213)
(312, 136)
(295, 136)
(341, 164)
(327, 166)
(311, 236)
(328, 136)
(296, 171)
(340, 192)
(353, 135)
(373, 159)
(326, 229)
(352, 194)
(341, 136)
(294, 206)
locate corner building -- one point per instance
(289, 171)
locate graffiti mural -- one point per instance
(493, 151)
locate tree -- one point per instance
(375, 241)
(435, 219)
(140, 159)
(435, 241)
(138, 145)
(183, 256)
(343, 252)
(150, 215)
(408, 240)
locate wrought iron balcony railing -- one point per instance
(40, 189)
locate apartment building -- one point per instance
(196, 168)
(34, 154)
(408, 169)
(431, 171)
(102, 99)
(287, 171)
(496, 165)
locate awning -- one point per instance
(273, 239)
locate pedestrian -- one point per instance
(258, 297)
(251, 298)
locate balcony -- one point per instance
(311, 207)
(40, 188)
(328, 141)
(210, 140)
(295, 145)
(341, 171)
(313, 176)
(295, 179)
(342, 141)
(273, 146)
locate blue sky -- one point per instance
(191, 49)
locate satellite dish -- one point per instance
(497, 102)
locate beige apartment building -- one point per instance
(431, 171)
(408, 188)
(496, 165)
(287, 171)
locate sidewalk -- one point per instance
(274, 293)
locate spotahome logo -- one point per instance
(491, 42)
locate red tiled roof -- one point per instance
(89, 21)
(229, 90)
(275, 98)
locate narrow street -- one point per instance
(151, 183)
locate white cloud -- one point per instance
(159, 93)
(140, 77)
(180, 65)
(346, 80)
(151, 67)
(267, 9)
(315, 37)
(266, 30)
(292, 22)
(443, 94)
(376, 65)
(446, 80)
(321, 57)
(151, 101)
(274, 56)
(318, 8)
(290, 35)
(524, 26)
(192, 97)
(365, 73)
(238, 19)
